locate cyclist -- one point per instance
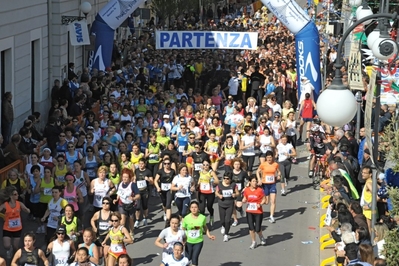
(317, 145)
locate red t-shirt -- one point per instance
(253, 199)
(307, 111)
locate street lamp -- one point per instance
(330, 104)
(85, 7)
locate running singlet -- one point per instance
(100, 191)
(61, 253)
(29, 258)
(268, 172)
(91, 166)
(117, 247)
(60, 174)
(70, 197)
(46, 194)
(12, 221)
(254, 197)
(205, 183)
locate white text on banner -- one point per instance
(206, 40)
(79, 33)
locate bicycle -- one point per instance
(319, 169)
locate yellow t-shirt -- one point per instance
(13, 182)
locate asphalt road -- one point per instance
(296, 223)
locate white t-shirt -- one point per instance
(248, 140)
(233, 86)
(282, 150)
(171, 261)
(182, 181)
(170, 238)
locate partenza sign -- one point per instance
(206, 40)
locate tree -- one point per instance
(165, 8)
(390, 146)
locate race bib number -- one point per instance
(28, 264)
(165, 186)
(103, 226)
(99, 197)
(198, 166)
(154, 157)
(213, 149)
(91, 173)
(60, 261)
(14, 223)
(239, 186)
(61, 179)
(117, 248)
(181, 148)
(205, 186)
(183, 191)
(194, 233)
(141, 184)
(230, 156)
(252, 206)
(270, 179)
(48, 191)
(227, 193)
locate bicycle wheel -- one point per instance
(315, 177)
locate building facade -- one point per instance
(35, 50)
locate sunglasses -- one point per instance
(15, 194)
(114, 221)
(104, 145)
(62, 136)
(226, 178)
(182, 128)
(60, 161)
(166, 163)
(106, 202)
(205, 164)
(74, 121)
(60, 234)
(192, 137)
(71, 147)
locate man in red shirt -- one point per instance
(308, 106)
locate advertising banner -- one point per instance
(307, 43)
(101, 57)
(78, 33)
(206, 40)
(289, 13)
(117, 11)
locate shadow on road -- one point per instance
(231, 263)
(300, 187)
(287, 213)
(274, 239)
(145, 260)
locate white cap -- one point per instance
(166, 116)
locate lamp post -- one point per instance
(85, 7)
(336, 105)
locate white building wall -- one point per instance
(21, 23)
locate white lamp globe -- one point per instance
(362, 13)
(85, 7)
(355, 2)
(384, 48)
(336, 107)
(372, 37)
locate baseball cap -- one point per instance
(61, 229)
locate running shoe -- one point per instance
(235, 223)
(286, 182)
(222, 230)
(137, 224)
(145, 221)
(310, 174)
(310, 156)
(271, 220)
(283, 193)
(225, 238)
(263, 241)
(253, 246)
(164, 216)
(211, 221)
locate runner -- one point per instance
(119, 237)
(163, 183)
(93, 253)
(101, 187)
(206, 189)
(239, 177)
(183, 185)
(229, 152)
(248, 143)
(285, 152)
(61, 247)
(227, 191)
(101, 223)
(73, 225)
(212, 149)
(143, 179)
(127, 196)
(170, 236)
(176, 258)
(254, 197)
(29, 254)
(266, 141)
(83, 258)
(307, 108)
(266, 175)
(46, 187)
(194, 225)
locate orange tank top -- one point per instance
(12, 221)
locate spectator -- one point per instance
(14, 153)
(380, 231)
(7, 118)
(357, 213)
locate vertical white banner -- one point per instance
(79, 33)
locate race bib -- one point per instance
(60, 261)
(28, 264)
(270, 179)
(141, 184)
(213, 149)
(61, 179)
(194, 233)
(227, 193)
(230, 156)
(103, 226)
(117, 248)
(91, 173)
(183, 191)
(205, 186)
(14, 223)
(252, 206)
(181, 148)
(48, 191)
(165, 186)
(198, 166)
(99, 197)
(154, 157)
(239, 186)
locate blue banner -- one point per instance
(101, 57)
(307, 43)
(206, 40)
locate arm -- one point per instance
(37, 188)
(94, 220)
(87, 179)
(16, 257)
(79, 194)
(24, 208)
(128, 238)
(42, 256)
(259, 175)
(212, 237)
(91, 191)
(46, 214)
(156, 182)
(217, 193)
(293, 152)
(215, 178)
(96, 255)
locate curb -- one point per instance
(327, 254)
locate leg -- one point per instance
(272, 204)
(15, 243)
(111, 260)
(196, 252)
(228, 213)
(251, 161)
(186, 202)
(7, 243)
(202, 199)
(144, 199)
(189, 250)
(222, 216)
(209, 203)
(179, 205)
